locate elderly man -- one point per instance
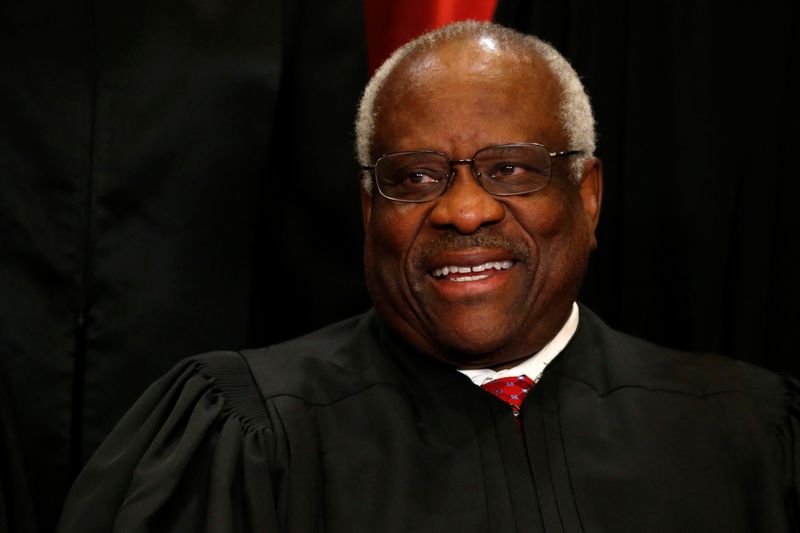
(481, 196)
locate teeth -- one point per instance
(471, 278)
(497, 265)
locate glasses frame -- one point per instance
(471, 162)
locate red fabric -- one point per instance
(391, 23)
(512, 390)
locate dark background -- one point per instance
(178, 177)
(697, 110)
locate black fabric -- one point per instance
(696, 109)
(174, 178)
(348, 429)
(16, 507)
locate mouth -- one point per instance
(468, 273)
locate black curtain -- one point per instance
(16, 506)
(697, 111)
(175, 177)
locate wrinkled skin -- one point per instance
(458, 98)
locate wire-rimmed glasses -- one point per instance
(502, 170)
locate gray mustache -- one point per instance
(448, 242)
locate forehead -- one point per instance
(468, 94)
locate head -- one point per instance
(520, 258)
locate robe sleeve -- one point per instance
(193, 454)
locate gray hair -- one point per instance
(575, 112)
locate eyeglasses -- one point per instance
(502, 170)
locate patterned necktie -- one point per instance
(511, 390)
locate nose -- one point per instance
(466, 206)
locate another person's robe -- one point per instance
(348, 430)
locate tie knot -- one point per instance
(512, 390)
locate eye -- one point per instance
(415, 178)
(420, 178)
(510, 171)
(412, 176)
(507, 169)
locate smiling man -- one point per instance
(477, 395)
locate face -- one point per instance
(519, 260)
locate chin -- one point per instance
(474, 350)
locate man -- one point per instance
(481, 198)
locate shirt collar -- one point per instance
(534, 366)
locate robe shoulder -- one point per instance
(735, 395)
(344, 359)
(192, 452)
(206, 445)
(607, 360)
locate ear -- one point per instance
(591, 190)
(366, 206)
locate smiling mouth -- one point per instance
(463, 273)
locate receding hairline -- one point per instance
(415, 71)
(463, 43)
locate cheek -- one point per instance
(557, 227)
(394, 226)
(544, 219)
(390, 235)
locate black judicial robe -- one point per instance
(348, 429)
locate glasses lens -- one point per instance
(412, 176)
(513, 168)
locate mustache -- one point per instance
(452, 241)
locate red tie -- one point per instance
(511, 390)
